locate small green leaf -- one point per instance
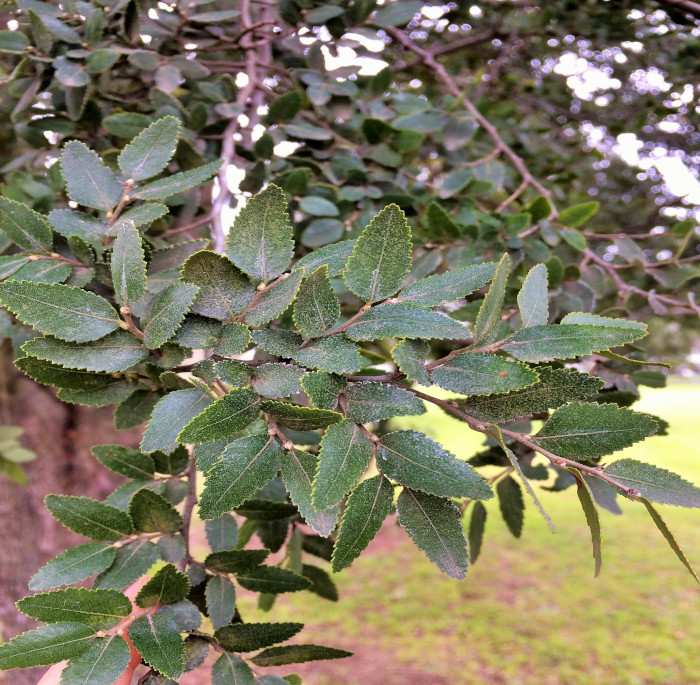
(51, 374)
(663, 528)
(224, 290)
(297, 654)
(46, 645)
(576, 215)
(228, 415)
(277, 341)
(405, 321)
(70, 223)
(510, 500)
(68, 313)
(136, 409)
(316, 309)
(230, 669)
(76, 563)
(381, 258)
(222, 533)
(495, 433)
(532, 298)
(574, 238)
(566, 341)
(89, 518)
(345, 453)
(166, 312)
(487, 323)
(247, 637)
(13, 42)
(483, 374)
(260, 241)
(172, 413)
(176, 183)
(580, 431)
(235, 338)
(245, 465)
(221, 601)
(585, 497)
(233, 373)
(152, 513)
(277, 380)
(300, 418)
(596, 320)
(321, 583)
(554, 388)
(157, 638)
(368, 505)
(168, 586)
(323, 389)
(368, 402)
(654, 483)
(275, 300)
(334, 256)
(448, 287)
(410, 356)
(435, 525)
(89, 182)
(98, 609)
(118, 351)
(236, 561)
(477, 524)
(102, 664)
(272, 580)
(149, 153)
(298, 471)
(415, 460)
(335, 354)
(25, 227)
(128, 462)
(130, 563)
(128, 266)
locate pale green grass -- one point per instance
(530, 612)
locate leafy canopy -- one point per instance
(405, 241)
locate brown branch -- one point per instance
(687, 6)
(339, 329)
(625, 287)
(523, 439)
(191, 474)
(128, 323)
(262, 289)
(430, 62)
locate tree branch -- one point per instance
(430, 62)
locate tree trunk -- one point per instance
(61, 435)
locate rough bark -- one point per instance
(61, 435)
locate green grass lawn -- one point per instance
(530, 611)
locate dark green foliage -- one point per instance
(168, 586)
(247, 637)
(415, 460)
(368, 506)
(99, 609)
(435, 526)
(579, 431)
(274, 354)
(510, 500)
(89, 518)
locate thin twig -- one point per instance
(523, 439)
(191, 474)
(451, 86)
